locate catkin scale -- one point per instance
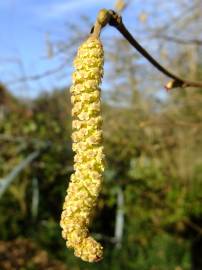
(86, 181)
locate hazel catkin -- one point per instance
(86, 181)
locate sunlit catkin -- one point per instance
(86, 181)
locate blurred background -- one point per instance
(149, 213)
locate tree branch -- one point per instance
(116, 21)
(180, 40)
(121, 5)
(38, 76)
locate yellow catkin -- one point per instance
(85, 184)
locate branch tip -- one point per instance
(115, 20)
(174, 84)
(101, 21)
(103, 17)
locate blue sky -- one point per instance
(23, 28)
(24, 25)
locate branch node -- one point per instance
(115, 19)
(101, 21)
(174, 84)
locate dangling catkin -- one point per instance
(85, 184)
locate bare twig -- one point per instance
(38, 76)
(121, 5)
(175, 19)
(179, 40)
(116, 21)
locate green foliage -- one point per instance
(159, 172)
